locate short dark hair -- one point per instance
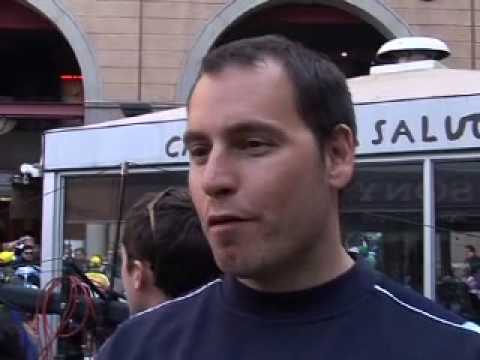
(321, 93)
(172, 242)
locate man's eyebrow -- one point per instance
(240, 128)
(254, 127)
(192, 135)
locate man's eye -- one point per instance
(255, 146)
(255, 143)
(250, 143)
(198, 151)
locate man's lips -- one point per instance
(224, 219)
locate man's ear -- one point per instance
(339, 153)
(138, 270)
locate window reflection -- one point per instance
(382, 220)
(458, 237)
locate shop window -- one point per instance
(91, 213)
(457, 198)
(382, 217)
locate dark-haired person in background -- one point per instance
(472, 278)
(472, 260)
(164, 252)
(271, 137)
(25, 249)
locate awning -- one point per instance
(47, 111)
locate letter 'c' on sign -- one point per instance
(168, 146)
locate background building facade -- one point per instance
(147, 51)
(75, 62)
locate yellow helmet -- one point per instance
(99, 279)
(7, 257)
(96, 261)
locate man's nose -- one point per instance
(219, 176)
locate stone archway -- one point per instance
(374, 12)
(77, 39)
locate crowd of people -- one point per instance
(20, 265)
(249, 263)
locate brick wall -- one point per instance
(168, 32)
(169, 29)
(448, 20)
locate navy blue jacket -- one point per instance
(361, 315)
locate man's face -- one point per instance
(27, 253)
(257, 176)
(29, 242)
(79, 255)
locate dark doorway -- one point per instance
(34, 58)
(347, 40)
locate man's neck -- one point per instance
(303, 277)
(153, 297)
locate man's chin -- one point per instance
(233, 268)
(238, 271)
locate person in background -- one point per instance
(164, 252)
(80, 259)
(271, 136)
(25, 256)
(25, 240)
(472, 260)
(19, 330)
(95, 264)
(472, 278)
(25, 250)
(96, 272)
(67, 250)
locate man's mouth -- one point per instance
(224, 219)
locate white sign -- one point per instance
(448, 123)
(139, 144)
(419, 125)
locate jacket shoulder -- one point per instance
(414, 306)
(153, 325)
